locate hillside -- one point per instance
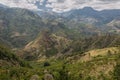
(101, 66)
(19, 26)
(9, 59)
(48, 45)
(77, 44)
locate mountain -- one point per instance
(17, 25)
(48, 45)
(85, 14)
(8, 58)
(1, 5)
(20, 26)
(86, 20)
(75, 44)
(88, 12)
(94, 64)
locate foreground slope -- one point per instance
(9, 59)
(104, 66)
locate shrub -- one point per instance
(116, 73)
(46, 64)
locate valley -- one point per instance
(80, 44)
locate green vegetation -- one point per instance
(49, 45)
(20, 26)
(9, 59)
(117, 70)
(59, 52)
(101, 67)
(95, 42)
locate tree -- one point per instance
(63, 74)
(46, 64)
(116, 73)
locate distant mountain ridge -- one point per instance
(1, 5)
(22, 25)
(104, 16)
(44, 11)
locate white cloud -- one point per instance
(96, 4)
(18, 3)
(64, 5)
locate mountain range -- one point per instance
(86, 21)
(59, 40)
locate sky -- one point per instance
(65, 5)
(96, 4)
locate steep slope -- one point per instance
(115, 25)
(47, 44)
(95, 42)
(9, 59)
(88, 13)
(87, 20)
(99, 67)
(97, 20)
(105, 65)
(76, 67)
(90, 55)
(20, 26)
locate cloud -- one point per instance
(19, 3)
(59, 5)
(65, 5)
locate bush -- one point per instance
(117, 72)
(46, 64)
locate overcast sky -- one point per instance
(63, 5)
(96, 4)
